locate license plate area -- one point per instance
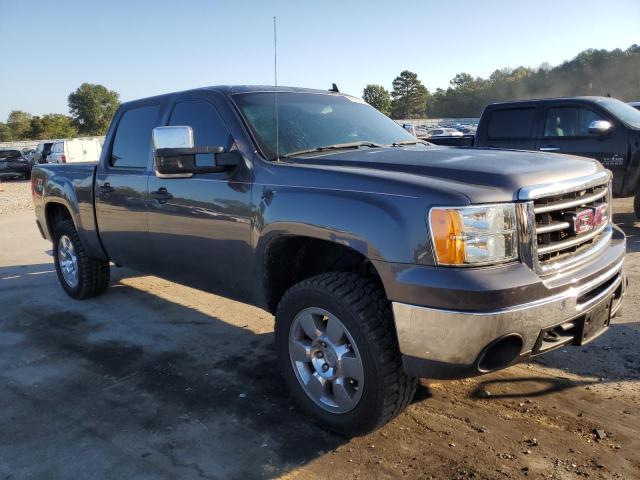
(595, 322)
(578, 331)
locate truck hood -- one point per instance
(480, 175)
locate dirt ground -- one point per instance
(155, 380)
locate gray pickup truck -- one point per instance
(383, 258)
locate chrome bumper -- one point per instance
(458, 338)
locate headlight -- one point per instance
(474, 235)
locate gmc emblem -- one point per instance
(586, 220)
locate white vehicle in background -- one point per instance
(444, 132)
(76, 150)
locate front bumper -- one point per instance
(439, 342)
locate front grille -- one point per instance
(555, 226)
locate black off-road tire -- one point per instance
(362, 306)
(636, 203)
(93, 273)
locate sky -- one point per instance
(140, 49)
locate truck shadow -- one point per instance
(180, 392)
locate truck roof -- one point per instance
(586, 99)
(230, 90)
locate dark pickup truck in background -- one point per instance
(383, 258)
(602, 128)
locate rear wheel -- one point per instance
(338, 353)
(80, 275)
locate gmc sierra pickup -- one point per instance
(383, 258)
(602, 128)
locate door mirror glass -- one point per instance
(600, 127)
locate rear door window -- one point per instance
(512, 123)
(132, 142)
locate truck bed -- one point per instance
(72, 186)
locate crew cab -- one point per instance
(383, 258)
(601, 128)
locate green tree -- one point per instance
(92, 106)
(53, 125)
(591, 72)
(19, 124)
(5, 132)
(409, 96)
(378, 97)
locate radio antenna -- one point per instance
(275, 80)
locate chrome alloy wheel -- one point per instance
(68, 261)
(326, 360)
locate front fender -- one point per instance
(380, 226)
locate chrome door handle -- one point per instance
(549, 149)
(105, 190)
(161, 195)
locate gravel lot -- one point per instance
(15, 196)
(156, 380)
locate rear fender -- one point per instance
(60, 190)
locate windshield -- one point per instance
(8, 154)
(309, 121)
(622, 111)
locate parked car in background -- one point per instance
(466, 129)
(409, 127)
(42, 152)
(384, 258)
(443, 132)
(635, 105)
(602, 128)
(13, 164)
(29, 153)
(76, 150)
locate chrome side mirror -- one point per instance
(600, 127)
(175, 156)
(172, 137)
(170, 144)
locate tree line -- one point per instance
(592, 72)
(91, 107)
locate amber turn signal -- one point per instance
(447, 233)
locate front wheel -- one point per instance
(80, 275)
(338, 353)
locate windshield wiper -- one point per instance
(337, 146)
(408, 142)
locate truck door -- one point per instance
(121, 188)
(199, 227)
(566, 130)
